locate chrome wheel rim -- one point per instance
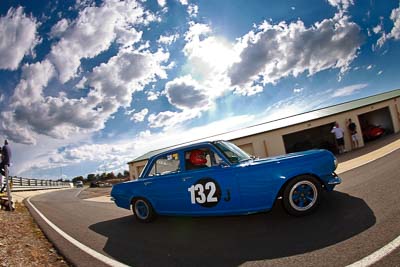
(303, 195)
(141, 209)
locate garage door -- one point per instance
(317, 137)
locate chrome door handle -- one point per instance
(186, 178)
(146, 183)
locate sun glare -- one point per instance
(216, 53)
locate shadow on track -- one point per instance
(231, 241)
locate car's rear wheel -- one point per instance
(302, 195)
(143, 211)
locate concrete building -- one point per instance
(307, 130)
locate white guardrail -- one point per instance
(27, 184)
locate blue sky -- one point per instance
(86, 86)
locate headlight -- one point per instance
(335, 162)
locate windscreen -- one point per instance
(232, 152)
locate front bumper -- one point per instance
(332, 181)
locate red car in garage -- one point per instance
(372, 132)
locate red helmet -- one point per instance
(197, 157)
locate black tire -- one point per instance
(143, 210)
(302, 195)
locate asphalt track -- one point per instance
(359, 218)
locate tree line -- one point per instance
(101, 177)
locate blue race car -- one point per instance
(218, 178)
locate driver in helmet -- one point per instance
(197, 160)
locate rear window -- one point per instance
(165, 165)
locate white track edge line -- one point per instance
(377, 255)
(388, 248)
(77, 194)
(75, 242)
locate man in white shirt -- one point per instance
(339, 135)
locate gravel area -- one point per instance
(22, 243)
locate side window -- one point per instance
(201, 158)
(165, 165)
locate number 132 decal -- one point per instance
(205, 192)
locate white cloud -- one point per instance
(341, 4)
(377, 29)
(93, 32)
(380, 72)
(208, 58)
(168, 40)
(170, 119)
(186, 93)
(109, 157)
(259, 58)
(395, 17)
(34, 78)
(210, 54)
(81, 83)
(196, 30)
(273, 52)
(394, 33)
(124, 74)
(139, 116)
(184, 2)
(369, 67)
(349, 90)
(14, 131)
(162, 3)
(36, 113)
(32, 113)
(129, 112)
(193, 10)
(151, 96)
(38, 157)
(59, 28)
(110, 86)
(381, 41)
(18, 38)
(298, 90)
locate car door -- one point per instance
(162, 185)
(210, 189)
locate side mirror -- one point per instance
(223, 164)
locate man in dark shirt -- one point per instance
(353, 132)
(5, 158)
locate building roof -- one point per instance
(285, 122)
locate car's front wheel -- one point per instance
(142, 210)
(302, 195)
